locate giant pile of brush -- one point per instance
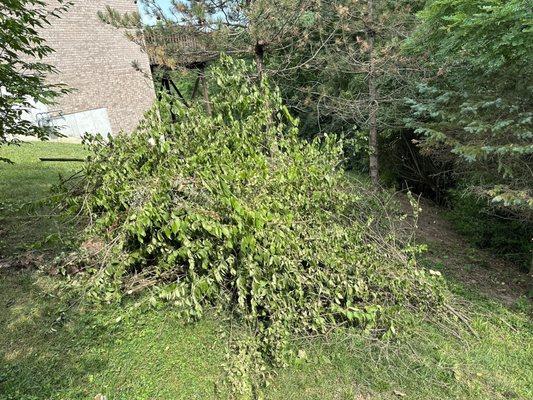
(234, 210)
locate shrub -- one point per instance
(233, 210)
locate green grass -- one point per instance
(26, 182)
(48, 354)
(54, 348)
(426, 361)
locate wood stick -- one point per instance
(62, 159)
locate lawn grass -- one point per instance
(47, 353)
(26, 182)
(54, 348)
(425, 361)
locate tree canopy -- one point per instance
(476, 101)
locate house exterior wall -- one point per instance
(95, 60)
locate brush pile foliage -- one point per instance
(234, 210)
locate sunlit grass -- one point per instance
(24, 184)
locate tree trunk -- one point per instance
(259, 58)
(205, 89)
(374, 105)
(195, 89)
(531, 276)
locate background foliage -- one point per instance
(478, 102)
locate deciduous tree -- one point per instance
(22, 69)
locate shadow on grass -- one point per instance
(41, 355)
(152, 355)
(23, 186)
(29, 218)
(45, 354)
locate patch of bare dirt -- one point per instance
(492, 276)
(23, 261)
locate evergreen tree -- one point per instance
(351, 76)
(477, 103)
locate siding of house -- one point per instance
(96, 60)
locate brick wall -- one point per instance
(96, 60)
